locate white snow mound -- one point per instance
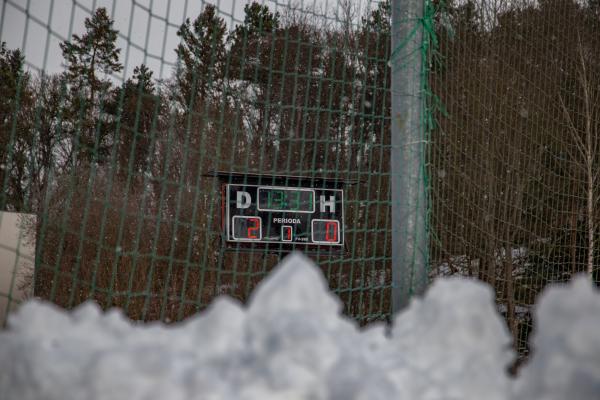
(291, 342)
(566, 345)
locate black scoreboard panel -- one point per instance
(285, 215)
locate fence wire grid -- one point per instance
(113, 112)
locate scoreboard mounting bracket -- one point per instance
(281, 213)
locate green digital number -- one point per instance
(286, 200)
(295, 201)
(275, 199)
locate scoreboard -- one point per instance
(284, 215)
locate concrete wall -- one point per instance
(17, 252)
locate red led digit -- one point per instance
(333, 226)
(252, 230)
(286, 233)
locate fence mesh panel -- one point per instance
(514, 159)
(112, 114)
(119, 110)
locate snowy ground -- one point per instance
(290, 342)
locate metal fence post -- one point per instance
(409, 234)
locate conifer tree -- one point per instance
(92, 56)
(14, 103)
(252, 41)
(140, 109)
(258, 20)
(201, 54)
(89, 60)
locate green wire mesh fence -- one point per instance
(113, 115)
(514, 159)
(115, 150)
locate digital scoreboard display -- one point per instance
(284, 199)
(285, 215)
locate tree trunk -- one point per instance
(590, 218)
(510, 295)
(574, 242)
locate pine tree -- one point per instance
(89, 59)
(141, 107)
(92, 55)
(201, 54)
(252, 42)
(258, 20)
(15, 100)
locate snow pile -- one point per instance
(455, 344)
(566, 345)
(291, 343)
